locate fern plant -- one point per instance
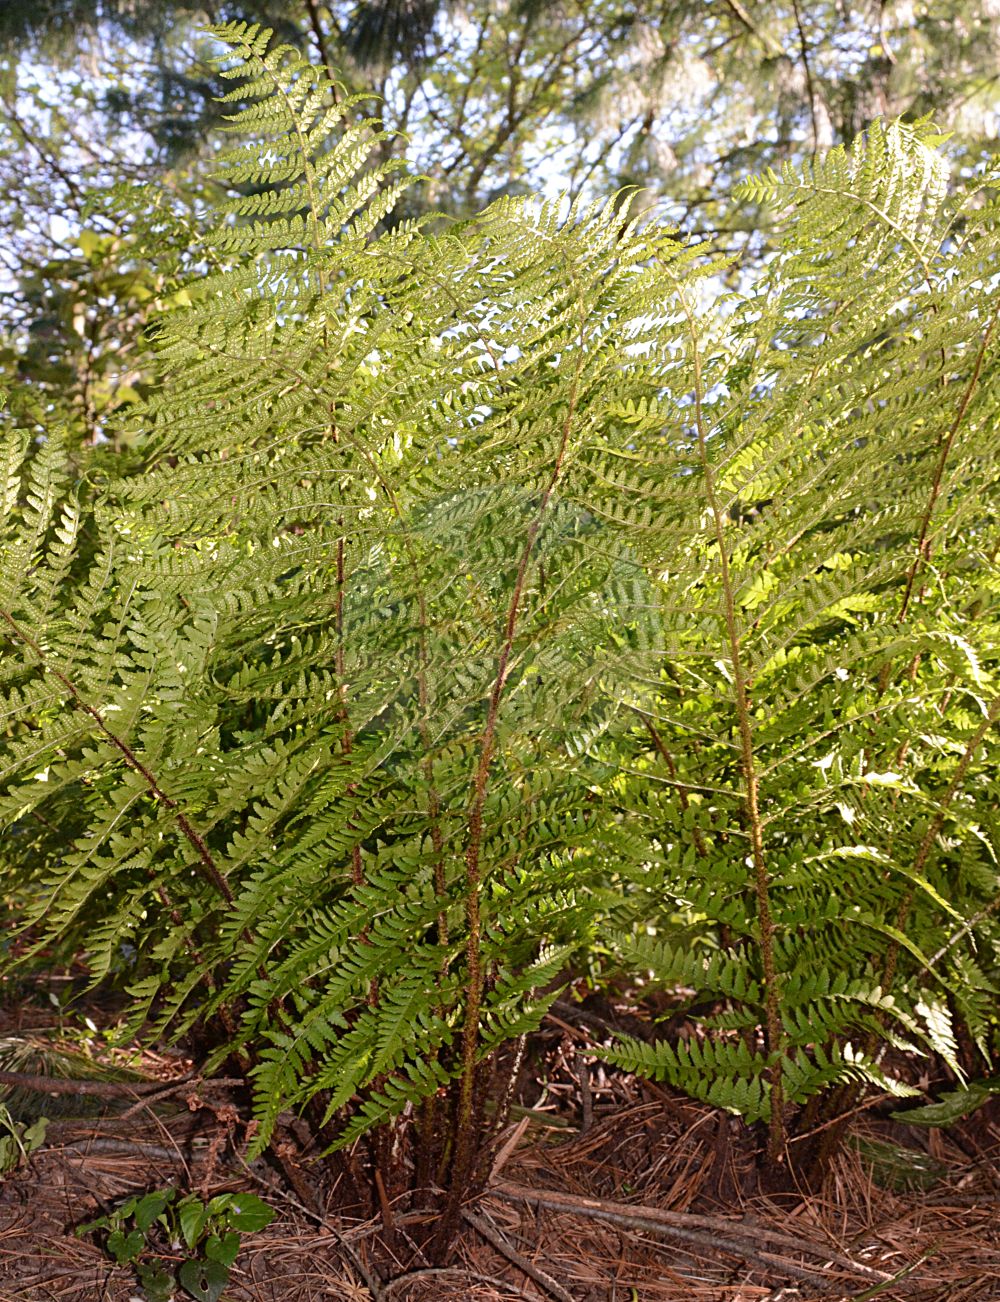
(825, 729)
(486, 595)
(317, 716)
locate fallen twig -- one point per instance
(125, 1147)
(370, 1276)
(147, 1101)
(110, 1089)
(876, 1289)
(736, 1238)
(493, 1236)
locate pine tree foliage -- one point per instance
(494, 594)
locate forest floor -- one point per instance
(607, 1189)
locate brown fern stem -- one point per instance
(429, 1119)
(930, 836)
(207, 864)
(465, 1138)
(428, 1125)
(921, 557)
(924, 541)
(841, 1103)
(681, 789)
(772, 1001)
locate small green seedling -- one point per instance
(141, 1230)
(19, 1141)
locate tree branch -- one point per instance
(810, 88)
(312, 11)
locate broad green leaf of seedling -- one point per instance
(125, 1247)
(192, 1217)
(223, 1247)
(204, 1280)
(247, 1213)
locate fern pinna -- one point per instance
(491, 593)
